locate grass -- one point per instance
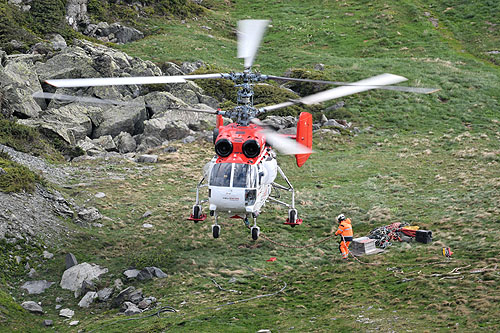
(428, 160)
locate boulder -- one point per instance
(125, 118)
(71, 122)
(280, 122)
(67, 313)
(147, 158)
(130, 309)
(18, 81)
(131, 273)
(333, 123)
(57, 42)
(159, 101)
(70, 260)
(165, 129)
(104, 294)
(73, 277)
(48, 322)
(189, 67)
(125, 143)
(89, 214)
(105, 142)
(73, 62)
(125, 34)
(32, 307)
(36, 287)
(87, 299)
(124, 295)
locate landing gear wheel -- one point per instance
(255, 233)
(196, 212)
(292, 216)
(216, 231)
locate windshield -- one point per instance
(241, 175)
(221, 174)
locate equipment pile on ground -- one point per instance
(401, 232)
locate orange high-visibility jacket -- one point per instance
(345, 228)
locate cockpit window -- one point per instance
(241, 175)
(221, 175)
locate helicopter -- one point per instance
(241, 177)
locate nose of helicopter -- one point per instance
(227, 198)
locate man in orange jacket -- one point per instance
(345, 230)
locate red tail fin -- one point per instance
(304, 136)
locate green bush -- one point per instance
(48, 16)
(16, 177)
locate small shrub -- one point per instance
(16, 177)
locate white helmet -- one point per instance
(341, 218)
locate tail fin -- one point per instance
(304, 136)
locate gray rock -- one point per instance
(189, 67)
(170, 149)
(127, 34)
(136, 296)
(89, 214)
(159, 273)
(87, 286)
(32, 307)
(280, 122)
(2, 172)
(125, 118)
(87, 299)
(18, 81)
(58, 306)
(147, 158)
(70, 260)
(164, 128)
(130, 309)
(147, 225)
(67, 313)
(57, 41)
(48, 322)
(324, 119)
(100, 195)
(106, 142)
(76, 13)
(32, 273)
(189, 139)
(118, 284)
(131, 273)
(74, 323)
(73, 277)
(143, 304)
(148, 213)
(122, 296)
(47, 255)
(104, 294)
(36, 287)
(170, 68)
(125, 143)
(71, 122)
(146, 273)
(333, 123)
(59, 299)
(72, 62)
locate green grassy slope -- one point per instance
(427, 160)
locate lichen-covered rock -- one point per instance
(126, 118)
(73, 277)
(32, 307)
(18, 81)
(125, 143)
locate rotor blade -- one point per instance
(359, 86)
(363, 85)
(116, 81)
(396, 88)
(281, 143)
(250, 33)
(83, 99)
(211, 111)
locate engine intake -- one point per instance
(251, 148)
(223, 147)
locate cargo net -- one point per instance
(384, 236)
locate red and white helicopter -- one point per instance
(241, 176)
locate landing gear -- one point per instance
(292, 216)
(196, 212)
(216, 231)
(255, 232)
(216, 227)
(255, 229)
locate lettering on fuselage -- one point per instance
(231, 198)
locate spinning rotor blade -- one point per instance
(356, 87)
(281, 143)
(62, 97)
(94, 100)
(250, 34)
(211, 111)
(396, 88)
(117, 81)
